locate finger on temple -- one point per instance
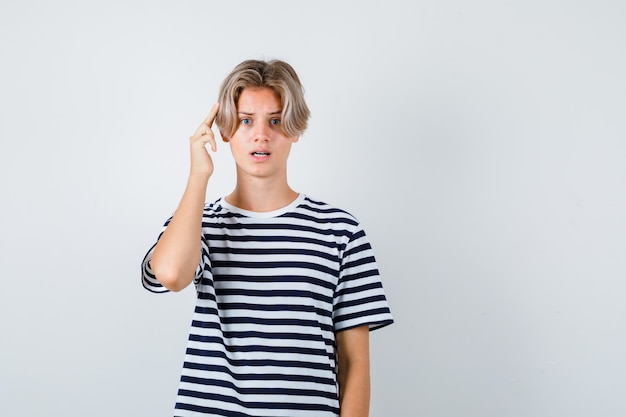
(211, 117)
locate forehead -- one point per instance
(258, 98)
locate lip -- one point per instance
(260, 155)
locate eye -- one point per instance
(246, 121)
(275, 122)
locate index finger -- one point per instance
(211, 117)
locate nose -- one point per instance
(261, 132)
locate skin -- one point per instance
(260, 149)
(261, 180)
(353, 371)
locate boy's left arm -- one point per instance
(353, 371)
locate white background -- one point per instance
(482, 144)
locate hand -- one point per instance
(201, 162)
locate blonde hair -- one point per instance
(276, 75)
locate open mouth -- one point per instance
(260, 154)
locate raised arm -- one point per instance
(177, 253)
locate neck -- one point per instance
(261, 195)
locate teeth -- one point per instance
(261, 153)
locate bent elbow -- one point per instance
(172, 280)
(171, 284)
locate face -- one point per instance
(259, 145)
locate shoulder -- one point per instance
(323, 209)
(215, 208)
(217, 212)
(324, 213)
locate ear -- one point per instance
(295, 139)
(224, 138)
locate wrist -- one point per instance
(197, 183)
(199, 177)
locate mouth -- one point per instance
(260, 156)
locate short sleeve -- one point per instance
(359, 298)
(149, 280)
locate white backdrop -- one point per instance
(482, 144)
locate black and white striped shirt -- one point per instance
(273, 290)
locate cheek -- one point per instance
(236, 146)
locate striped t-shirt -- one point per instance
(273, 290)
